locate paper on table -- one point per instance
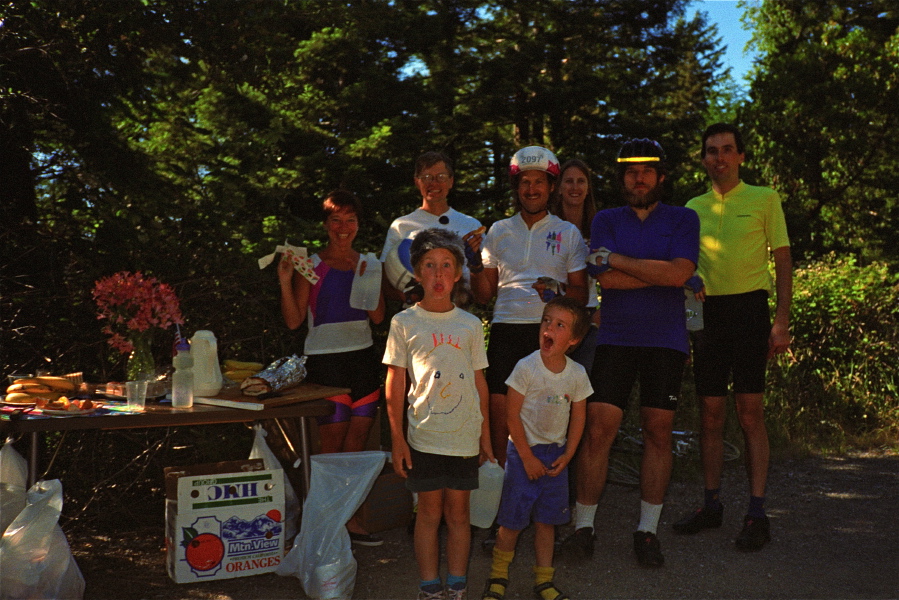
(366, 290)
(244, 404)
(297, 255)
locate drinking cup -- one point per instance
(136, 392)
(14, 376)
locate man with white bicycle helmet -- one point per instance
(642, 254)
(523, 261)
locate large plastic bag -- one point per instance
(35, 558)
(322, 557)
(13, 484)
(291, 502)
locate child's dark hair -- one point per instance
(432, 239)
(581, 324)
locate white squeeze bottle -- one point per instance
(183, 377)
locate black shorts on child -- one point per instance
(432, 472)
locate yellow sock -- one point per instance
(545, 575)
(499, 569)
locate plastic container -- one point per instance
(183, 377)
(485, 499)
(693, 309)
(366, 290)
(207, 373)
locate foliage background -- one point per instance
(186, 138)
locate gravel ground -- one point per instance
(835, 534)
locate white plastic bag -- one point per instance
(261, 450)
(13, 484)
(35, 558)
(322, 557)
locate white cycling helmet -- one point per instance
(534, 158)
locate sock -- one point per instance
(713, 500)
(432, 586)
(649, 516)
(756, 507)
(456, 582)
(584, 515)
(499, 569)
(545, 575)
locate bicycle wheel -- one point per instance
(622, 473)
(628, 442)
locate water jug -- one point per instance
(485, 499)
(366, 290)
(207, 373)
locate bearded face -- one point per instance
(642, 186)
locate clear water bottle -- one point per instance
(183, 377)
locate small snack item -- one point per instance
(281, 374)
(115, 388)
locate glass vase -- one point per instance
(140, 362)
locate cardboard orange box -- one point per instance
(224, 520)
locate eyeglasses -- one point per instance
(440, 178)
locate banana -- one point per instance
(239, 375)
(29, 388)
(58, 384)
(25, 398)
(237, 365)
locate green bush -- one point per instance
(838, 386)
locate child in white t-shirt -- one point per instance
(441, 349)
(546, 414)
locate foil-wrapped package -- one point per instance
(281, 374)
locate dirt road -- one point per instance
(834, 524)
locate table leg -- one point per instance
(305, 453)
(33, 451)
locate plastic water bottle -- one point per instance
(485, 500)
(183, 377)
(693, 308)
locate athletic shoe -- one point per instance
(366, 539)
(452, 594)
(704, 518)
(648, 549)
(438, 595)
(581, 541)
(756, 533)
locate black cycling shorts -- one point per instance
(509, 343)
(733, 344)
(658, 370)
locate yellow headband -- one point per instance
(640, 159)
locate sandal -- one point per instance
(549, 585)
(492, 595)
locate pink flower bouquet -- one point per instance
(133, 304)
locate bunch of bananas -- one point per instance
(38, 390)
(236, 370)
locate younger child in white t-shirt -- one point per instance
(546, 414)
